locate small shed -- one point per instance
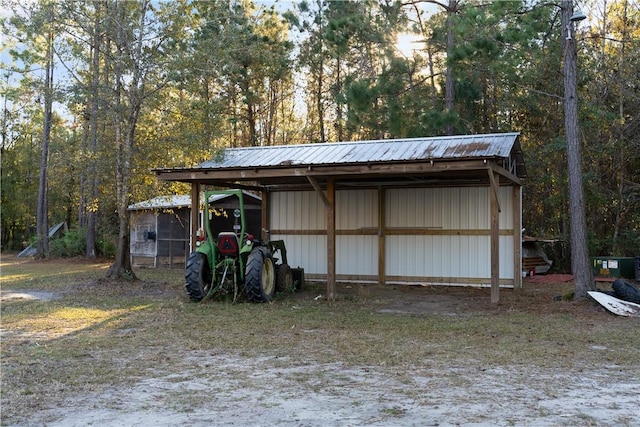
(434, 210)
(160, 227)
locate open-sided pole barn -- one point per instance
(439, 210)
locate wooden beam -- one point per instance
(258, 174)
(393, 231)
(382, 195)
(505, 173)
(331, 240)
(195, 210)
(517, 236)
(316, 187)
(495, 243)
(495, 187)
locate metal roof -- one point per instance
(358, 152)
(443, 160)
(178, 201)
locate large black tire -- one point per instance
(198, 276)
(260, 275)
(284, 279)
(626, 291)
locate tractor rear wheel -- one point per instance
(260, 275)
(284, 279)
(198, 276)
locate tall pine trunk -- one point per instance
(93, 176)
(449, 87)
(42, 220)
(577, 217)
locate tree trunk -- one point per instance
(621, 163)
(449, 87)
(339, 130)
(320, 104)
(42, 220)
(92, 205)
(577, 218)
(121, 268)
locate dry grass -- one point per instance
(91, 333)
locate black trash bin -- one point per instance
(638, 268)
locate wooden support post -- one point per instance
(382, 195)
(495, 241)
(517, 236)
(494, 179)
(331, 240)
(195, 210)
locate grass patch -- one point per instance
(97, 333)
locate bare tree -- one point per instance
(131, 68)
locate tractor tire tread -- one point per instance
(195, 275)
(253, 275)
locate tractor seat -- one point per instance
(228, 243)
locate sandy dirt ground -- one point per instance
(238, 391)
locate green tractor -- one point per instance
(236, 261)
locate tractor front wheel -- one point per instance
(260, 275)
(198, 276)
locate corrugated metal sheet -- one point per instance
(444, 256)
(356, 209)
(178, 201)
(396, 150)
(297, 210)
(357, 255)
(438, 256)
(309, 252)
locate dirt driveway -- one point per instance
(242, 392)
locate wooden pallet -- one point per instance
(530, 263)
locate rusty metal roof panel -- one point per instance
(395, 150)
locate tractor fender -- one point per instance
(210, 251)
(246, 247)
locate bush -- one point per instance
(72, 244)
(106, 247)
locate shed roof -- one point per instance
(460, 157)
(438, 148)
(178, 201)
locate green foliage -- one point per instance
(71, 244)
(74, 244)
(228, 73)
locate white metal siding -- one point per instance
(410, 208)
(357, 255)
(297, 210)
(444, 256)
(437, 256)
(356, 210)
(308, 252)
(301, 210)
